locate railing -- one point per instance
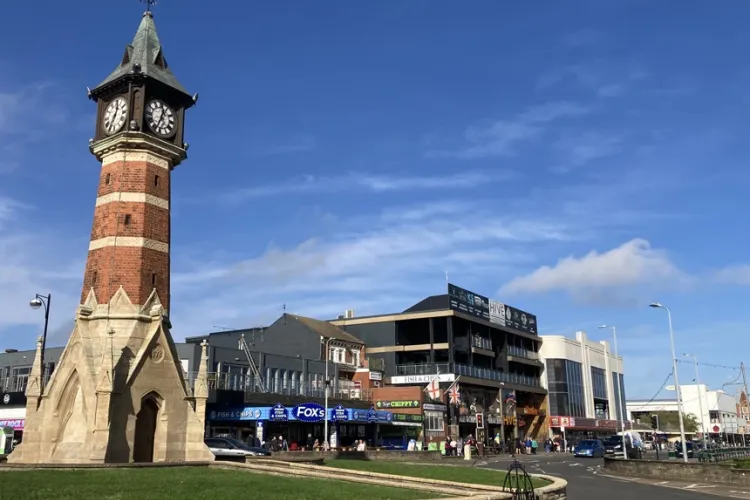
(468, 371)
(481, 342)
(723, 454)
(314, 389)
(423, 368)
(520, 352)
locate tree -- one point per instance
(669, 421)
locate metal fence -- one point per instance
(520, 352)
(467, 371)
(715, 455)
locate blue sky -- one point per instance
(575, 161)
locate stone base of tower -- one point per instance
(118, 394)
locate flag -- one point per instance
(433, 389)
(454, 393)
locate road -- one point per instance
(587, 479)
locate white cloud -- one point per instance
(631, 264)
(367, 182)
(499, 137)
(734, 275)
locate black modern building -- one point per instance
(491, 348)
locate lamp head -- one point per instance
(35, 303)
(656, 305)
(604, 326)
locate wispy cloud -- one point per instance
(499, 137)
(603, 78)
(581, 149)
(734, 275)
(369, 183)
(593, 277)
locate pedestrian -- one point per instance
(534, 446)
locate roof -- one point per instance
(327, 330)
(146, 51)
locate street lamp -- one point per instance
(619, 392)
(35, 303)
(700, 396)
(326, 341)
(678, 391)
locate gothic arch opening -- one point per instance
(145, 428)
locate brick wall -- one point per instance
(138, 269)
(678, 471)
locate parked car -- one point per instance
(228, 447)
(591, 448)
(690, 449)
(612, 445)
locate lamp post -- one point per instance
(700, 396)
(619, 392)
(35, 303)
(678, 391)
(326, 342)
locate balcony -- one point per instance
(467, 371)
(481, 343)
(346, 390)
(520, 352)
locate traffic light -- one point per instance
(480, 420)
(654, 422)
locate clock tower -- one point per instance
(119, 392)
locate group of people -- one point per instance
(455, 447)
(276, 444)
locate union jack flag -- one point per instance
(454, 394)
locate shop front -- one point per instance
(12, 416)
(296, 423)
(575, 429)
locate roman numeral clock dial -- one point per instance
(160, 118)
(115, 116)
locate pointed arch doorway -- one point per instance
(145, 428)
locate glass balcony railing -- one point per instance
(467, 371)
(520, 352)
(481, 342)
(290, 387)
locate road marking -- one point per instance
(741, 492)
(574, 465)
(663, 482)
(696, 486)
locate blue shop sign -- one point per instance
(339, 414)
(278, 413)
(308, 412)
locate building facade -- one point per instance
(491, 349)
(723, 416)
(586, 384)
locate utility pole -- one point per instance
(747, 403)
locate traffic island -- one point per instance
(679, 471)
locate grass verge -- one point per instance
(181, 483)
(470, 475)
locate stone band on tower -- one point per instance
(119, 393)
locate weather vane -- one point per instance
(148, 3)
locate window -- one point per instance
(355, 357)
(156, 180)
(153, 279)
(126, 220)
(619, 381)
(433, 421)
(599, 382)
(337, 355)
(106, 179)
(93, 277)
(565, 381)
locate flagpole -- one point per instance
(451, 386)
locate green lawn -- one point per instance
(183, 483)
(471, 475)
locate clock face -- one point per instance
(160, 118)
(115, 116)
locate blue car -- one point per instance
(591, 448)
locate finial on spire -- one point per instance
(148, 3)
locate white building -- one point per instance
(716, 411)
(583, 378)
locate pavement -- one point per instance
(587, 479)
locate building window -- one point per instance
(337, 355)
(433, 421)
(355, 357)
(619, 382)
(599, 383)
(156, 180)
(126, 220)
(93, 277)
(153, 279)
(565, 385)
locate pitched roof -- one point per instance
(146, 51)
(327, 330)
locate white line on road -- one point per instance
(741, 492)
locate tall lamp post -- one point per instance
(619, 392)
(678, 391)
(327, 353)
(700, 396)
(35, 303)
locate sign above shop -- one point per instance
(434, 407)
(279, 413)
(309, 412)
(397, 404)
(339, 414)
(467, 302)
(421, 379)
(404, 417)
(16, 425)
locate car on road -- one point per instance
(228, 448)
(612, 445)
(592, 448)
(690, 449)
